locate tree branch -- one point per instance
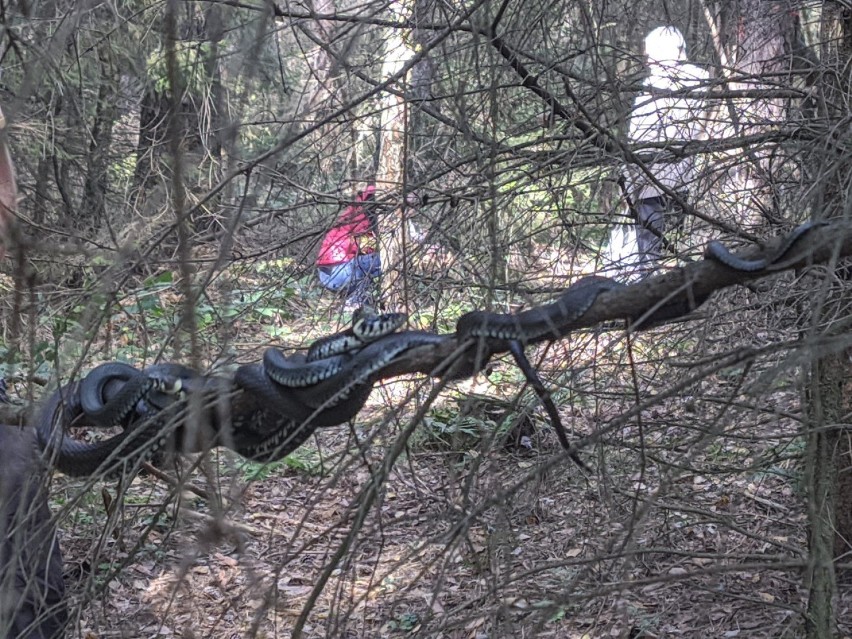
(682, 286)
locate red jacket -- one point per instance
(352, 234)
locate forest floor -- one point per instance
(691, 524)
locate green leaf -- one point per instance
(164, 278)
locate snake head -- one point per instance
(369, 327)
(170, 383)
(169, 387)
(364, 312)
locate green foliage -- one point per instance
(408, 621)
(449, 428)
(451, 432)
(122, 169)
(305, 460)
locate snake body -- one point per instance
(112, 394)
(295, 371)
(327, 356)
(254, 379)
(276, 405)
(548, 321)
(264, 435)
(717, 251)
(337, 398)
(520, 357)
(366, 327)
(362, 371)
(263, 424)
(267, 419)
(271, 420)
(77, 458)
(135, 386)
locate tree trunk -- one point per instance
(829, 446)
(96, 186)
(422, 129)
(205, 219)
(754, 42)
(152, 133)
(390, 176)
(825, 405)
(163, 115)
(761, 45)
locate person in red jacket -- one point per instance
(348, 258)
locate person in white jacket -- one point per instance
(665, 115)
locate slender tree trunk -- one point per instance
(752, 36)
(152, 133)
(825, 405)
(830, 478)
(762, 43)
(829, 444)
(96, 186)
(163, 115)
(206, 218)
(390, 176)
(422, 130)
(389, 179)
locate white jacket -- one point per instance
(659, 118)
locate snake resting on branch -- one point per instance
(556, 319)
(267, 420)
(113, 394)
(271, 408)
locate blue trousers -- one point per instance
(354, 277)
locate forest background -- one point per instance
(178, 164)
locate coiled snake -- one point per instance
(113, 394)
(275, 406)
(267, 419)
(331, 384)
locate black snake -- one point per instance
(266, 420)
(558, 318)
(327, 356)
(275, 406)
(769, 262)
(249, 425)
(114, 394)
(133, 388)
(546, 322)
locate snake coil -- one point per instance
(113, 394)
(366, 327)
(328, 355)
